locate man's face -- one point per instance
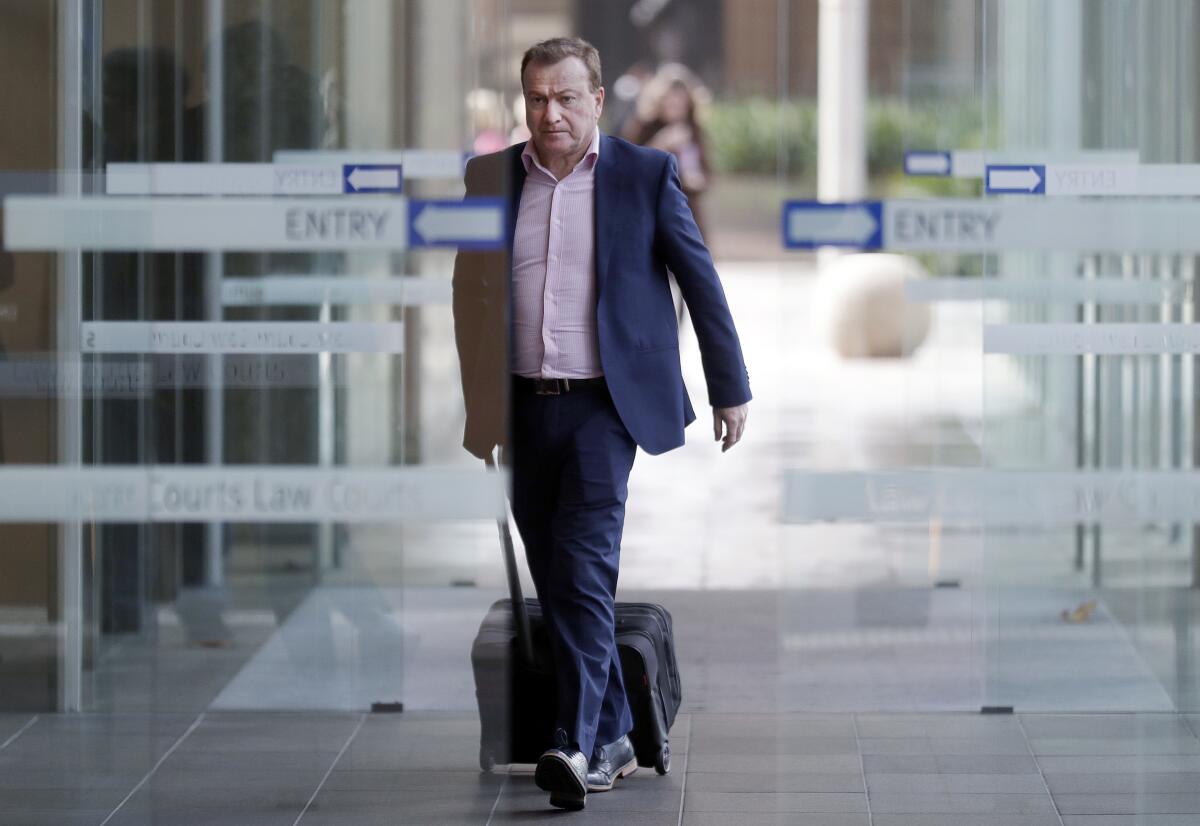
(561, 110)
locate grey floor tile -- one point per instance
(100, 744)
(1017, 804)
(1131, 804)
(949, 764)
(956, 784)
(408, 761)
(15, 800)
(263, 741)
(347, 719)
(590, 814)
(902, 764)
(1097, 746)
(55, 818)
(392, 818)
(52, 779)
(775, 782)
(11, 724)
(1138, 783)
(1005, 743)
(776, 819)
(1119, 764)
(934, 725)
(298, 761)
(1042, 726)
(469, 781)
(131, 724)
(964, 820)
(244, 785)
(75, 762)
(783, 726)
(444, 725)
(814, 802)
(455, 802)
(742, 744)
(202, 817)
(195, 797)
(985, 763)
(528, 798)
(741, 763)
(1129, 820)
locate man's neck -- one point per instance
(562, 166)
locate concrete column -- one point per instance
(842, 100)
(369, 92)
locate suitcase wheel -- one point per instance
(662, 760)
(487, 759)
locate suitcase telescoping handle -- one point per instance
(520, 613)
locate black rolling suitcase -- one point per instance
(514, 683)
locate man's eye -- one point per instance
(568, 100)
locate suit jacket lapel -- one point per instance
(608, 184)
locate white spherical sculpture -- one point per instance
(861, 310)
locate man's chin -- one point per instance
(556, 142)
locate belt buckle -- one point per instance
(548, 387)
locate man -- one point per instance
(592, 369)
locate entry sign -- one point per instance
(372, 177)
(202, 224)
(1009, 179)
(811, 224)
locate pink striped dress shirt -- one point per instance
(554, 272)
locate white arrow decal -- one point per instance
(1025, 180)
(374, 179)
(927, 163)
(831, 226)
(460, 223)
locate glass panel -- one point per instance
(232, 405)
(248, 326)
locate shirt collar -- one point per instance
(591, 157)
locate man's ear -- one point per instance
(600, 101)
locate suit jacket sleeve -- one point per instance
(681, 247)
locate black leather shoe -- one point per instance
(563, 773)
(609, 763)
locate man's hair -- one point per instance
(557, 49)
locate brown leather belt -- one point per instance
(556, 387)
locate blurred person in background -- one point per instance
(485, 110)
(666, 119)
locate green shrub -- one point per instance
(761, 136)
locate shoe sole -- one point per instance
(626, 770)
(556, 776)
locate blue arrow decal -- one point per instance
(1015, 179)
(470, 223)
(372, 177)
(811, 224)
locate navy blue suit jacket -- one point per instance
(644, 227)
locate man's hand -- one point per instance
(734, 421)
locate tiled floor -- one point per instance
(244, 769)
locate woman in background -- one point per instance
(666, 119)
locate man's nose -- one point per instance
(553, 111)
